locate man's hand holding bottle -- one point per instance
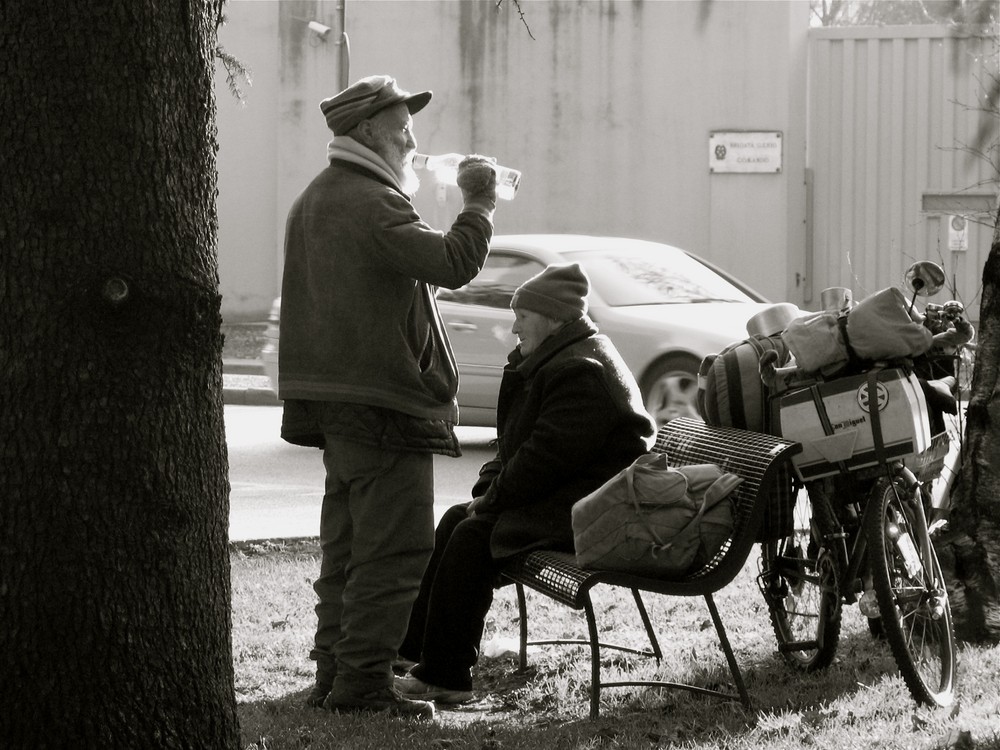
(477, 179)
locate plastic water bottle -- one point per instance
(445, 169)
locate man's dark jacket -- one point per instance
(569, 417)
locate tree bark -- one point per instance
(971, 551)
(114, 570)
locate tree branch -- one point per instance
(520, 13)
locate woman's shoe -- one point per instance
(402, 666)
(416, 689)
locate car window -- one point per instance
(496, 283)
(640, 277)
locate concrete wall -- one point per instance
(607, 106)
(248, 134)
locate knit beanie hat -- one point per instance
(559, 292)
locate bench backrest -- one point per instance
(753, 456)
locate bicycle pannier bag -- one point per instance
(651, 519)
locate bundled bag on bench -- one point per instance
(654, 520)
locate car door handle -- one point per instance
(463, 326)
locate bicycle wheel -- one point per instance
(800, 581)
(912, 597)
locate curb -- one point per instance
(243, 367)
(249, 394)
(250, 397)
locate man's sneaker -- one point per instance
(386, 699)
(317, 694)
(413, 687)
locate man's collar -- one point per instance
(345, 148)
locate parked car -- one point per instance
(664, 308)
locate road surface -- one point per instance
(277, 488)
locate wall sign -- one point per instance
(744, 151)
(958, 234)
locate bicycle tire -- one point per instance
(800, 581)
(912, 597)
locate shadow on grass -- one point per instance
(546, 707)
(859, 701)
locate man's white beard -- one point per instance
(400, 162)
(408, 179)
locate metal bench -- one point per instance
(753, 456)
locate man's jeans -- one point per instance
(376, 532)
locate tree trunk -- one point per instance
(971, 552)
(114, 570)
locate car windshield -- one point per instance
(654, 276)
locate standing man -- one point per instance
(367, 373)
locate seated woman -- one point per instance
(569, 417)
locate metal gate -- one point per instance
(892, 172)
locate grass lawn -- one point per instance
(859, 702)
(242, 340)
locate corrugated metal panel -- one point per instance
(892, 114)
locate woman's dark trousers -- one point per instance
(448, 617)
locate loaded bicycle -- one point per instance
(865, 518)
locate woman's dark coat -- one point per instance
(569, 417)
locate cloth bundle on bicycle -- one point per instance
(731, 394)
(881, 326)
(730, 391)
(651, 519)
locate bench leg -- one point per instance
(522, 609)
(728, 649)
(595, 658)
(595, 643)
(654, 644)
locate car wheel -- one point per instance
(670, 388)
